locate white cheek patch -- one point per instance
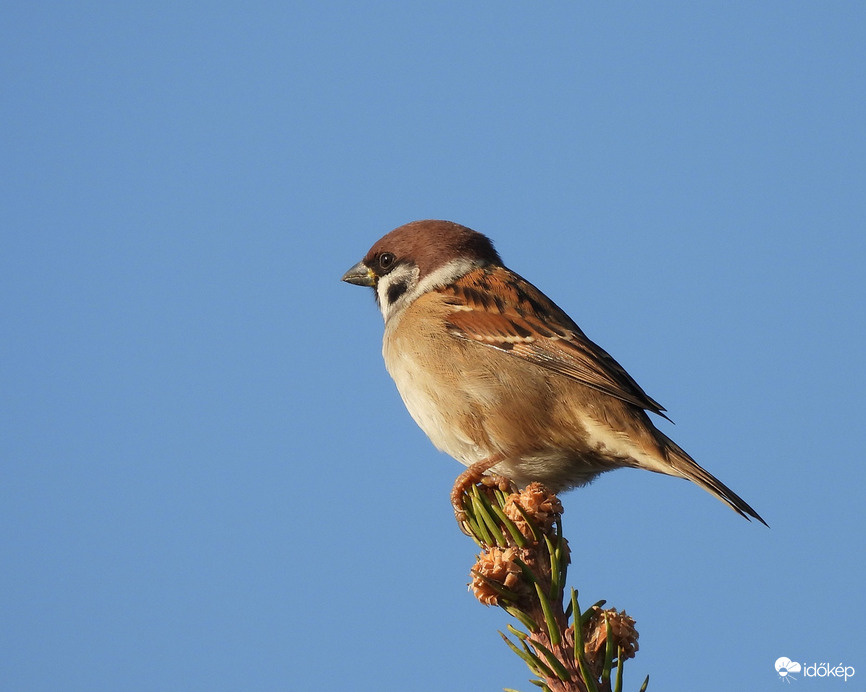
(393, 289)
(404, 284)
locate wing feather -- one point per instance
(524, 323)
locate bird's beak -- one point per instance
(360, 275)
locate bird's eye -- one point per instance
(386, 260)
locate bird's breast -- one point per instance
(428, 379)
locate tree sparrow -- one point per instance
(501, 378)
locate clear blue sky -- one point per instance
(207, 479)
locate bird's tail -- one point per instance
(686, 467)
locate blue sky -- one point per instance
(209, 481)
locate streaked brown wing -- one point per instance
(498, 308)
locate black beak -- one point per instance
(360, 275)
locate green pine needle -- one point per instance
(554, 662)
(608, 652)
(552, 626)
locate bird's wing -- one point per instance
(495, 307)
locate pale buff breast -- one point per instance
(473, 401)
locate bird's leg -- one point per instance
(471, 476)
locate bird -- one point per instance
(501, 378)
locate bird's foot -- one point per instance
(475, 474)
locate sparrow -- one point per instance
(500, 378)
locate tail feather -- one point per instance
(686, 467)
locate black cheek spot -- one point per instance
(396, 290)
